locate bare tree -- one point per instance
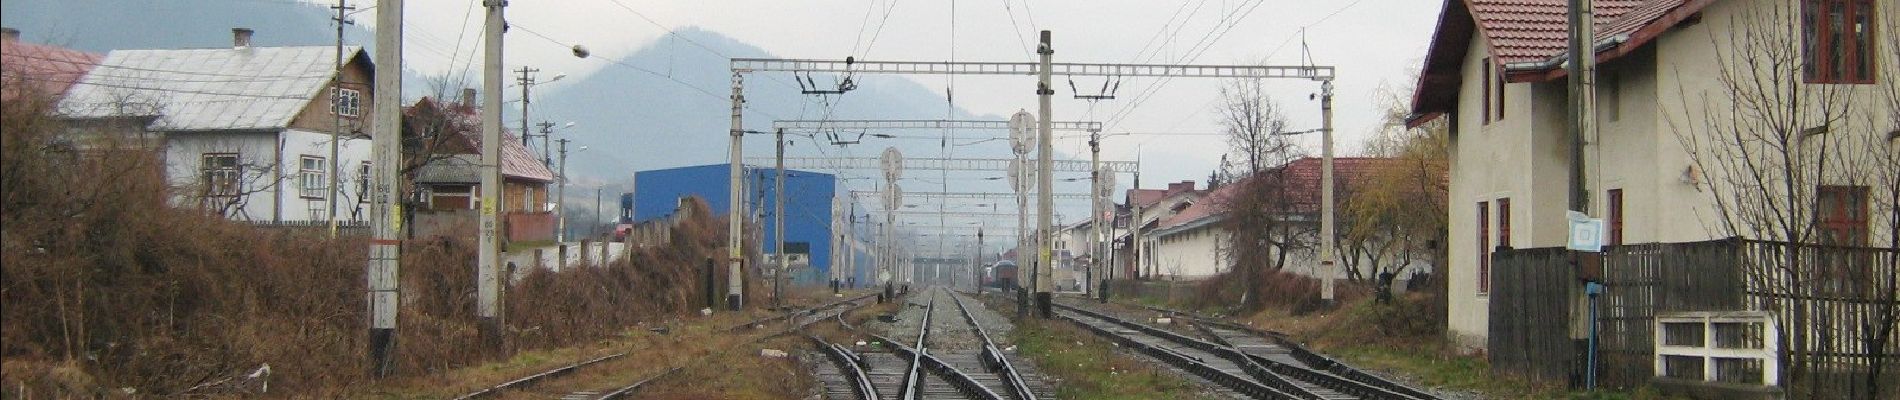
(228, 175)
(1770, 144)
(1260, 238)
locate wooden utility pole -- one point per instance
(1582, 70)
(385, 246)
(336, 114)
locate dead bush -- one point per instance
(108, 287)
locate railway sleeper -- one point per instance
(1244, 385)
(1312, 360)
(958, 380)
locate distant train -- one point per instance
(1001, 275)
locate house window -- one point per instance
(1484, 248)
(1841, 218)
(1615, 200)
(311, 177)
(362, 183)
(1486, 78)
(1499, 96)
(346, 102)
(220, 174)
(1838, 41)
(527, 199)
(1504, 222)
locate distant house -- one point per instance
(245, 131)
(445, 140)
(1187, 236)
(1495, 74)
(38, 69)
(1146, 209)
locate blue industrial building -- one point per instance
(809, 209)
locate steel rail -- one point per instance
(628, 390)
(851, 365)
(532, 379)
(1243, 385)
(913, 377)
(789, 314)
(959, 380)
(1275, 373)
(1305, 355)
(994, 357)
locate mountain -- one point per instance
(664, 105)
(104, 25)
(679, 113)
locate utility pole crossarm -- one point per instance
(932, 164)
(813, 125)
(747, 65)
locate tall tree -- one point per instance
(1396, 215)
(1259, 239)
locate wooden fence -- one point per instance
(1836, 306)
(1530, 308)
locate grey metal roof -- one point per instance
(459, 168)
(253, 88)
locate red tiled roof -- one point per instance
(1536, 30)
(1531, 37)
(1302, 190)
(1144, 197)
(50, 69)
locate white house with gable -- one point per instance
(245, 130)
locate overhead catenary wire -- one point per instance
(1194, 53)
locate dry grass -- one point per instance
(109, 288)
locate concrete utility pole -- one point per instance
(1045, 205)
(735, 209)
(385, 245)
(778, 217)
(560, 198)
(488, 275)
(1329, 269)
(336, 130)
(1043, 69)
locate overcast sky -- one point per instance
(1371, 42)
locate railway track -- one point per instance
(1243, 363)
(799, 320)
(1279, 347)
(958, 360)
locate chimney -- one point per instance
(241, 38)
(10, 34)
(468, 97)
(1183, 186)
